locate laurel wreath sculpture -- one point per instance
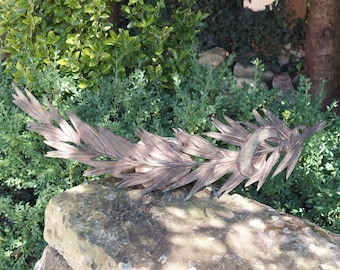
(166, 163)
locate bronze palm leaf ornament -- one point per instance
(169, 163)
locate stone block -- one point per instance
(240, 81)
(51, 260)
(214, 57)
(249, 71)
(97, 226)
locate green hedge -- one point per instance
(80, 40)
(250, 34)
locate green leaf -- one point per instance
(32, 21)
(105, 68)
(89, 9)
(104, 56)
(73, 4)
(73, 39)
(159, 49)
(132, 2)
(75, 56)
(88, 52)
(112, 40)
(64, 62)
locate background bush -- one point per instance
(80, 37)
(167, 90)
(250, 34)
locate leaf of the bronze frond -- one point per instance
(278, 124)
(31, 105)
(294, 148)
(197, 146)
(114, 168)
(260, 119)
(264, 167)
(33, 108)
(235, 135)
(168, 177)
(234, 180)
(155, 178)
(158, 149)
(117, 146)
(206, 175)
(50, 132)
(309, 131)
(290, 159)
(68, 151)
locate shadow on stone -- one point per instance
(97, 226)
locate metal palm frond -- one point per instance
(167, 163)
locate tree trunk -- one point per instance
(115, 16)
(323, 47)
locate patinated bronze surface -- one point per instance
(168, 163)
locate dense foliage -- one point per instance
(80, 38)
(154, 87)
(263, 34)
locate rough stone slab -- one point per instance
(51, 260)
(214, 57)
(96, 226)
(249, 71)
(240, 81)
(283, 82)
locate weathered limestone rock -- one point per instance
(249, 71)
(96, 226)
(289, 54)
(51, 260)
(283, 82)
(214, 57)
(241, 81)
